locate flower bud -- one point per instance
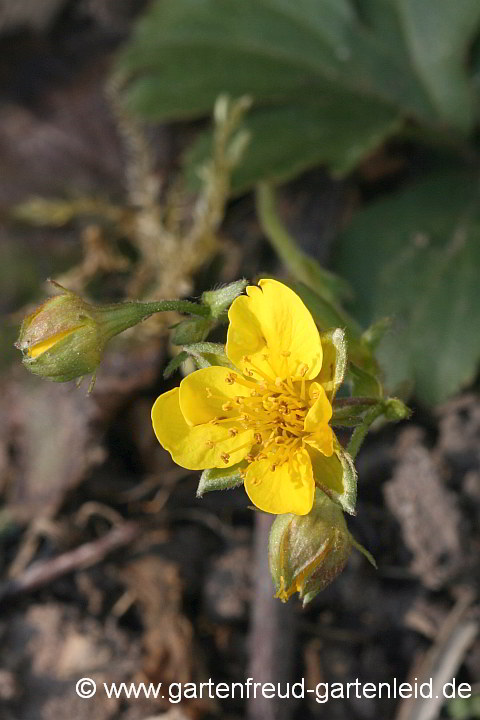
(65, 337)
(220, 300)
(307, 552)
(61, 340)
(396, 410)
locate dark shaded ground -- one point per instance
(110, 566)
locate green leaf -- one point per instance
(287, 138)
(336, 476)
(330, 82)
(331, 79)
(220, 479)
(416, 257)
(439, 34)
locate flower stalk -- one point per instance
(65, 337)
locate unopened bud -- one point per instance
(307, 552)
(65, 337)
(396, 410)
(61, 340)
(220, 300)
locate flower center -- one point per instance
(275, 409)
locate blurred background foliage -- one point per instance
(337, 83)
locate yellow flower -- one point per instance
(271, 411)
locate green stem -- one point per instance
(353, 401)
(302, 266)
(277, 233)
(181, 306)
(118, 317)
(360, 432)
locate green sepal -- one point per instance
(364, 383)
(334, 364)
(307, 552)
(192, 330)
(175, 363)
(336, 476)
(358, 546)
(220, 479)
(308, 596)
(206, 354)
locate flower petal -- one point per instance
(316, 421)
(272, 326)
(322, 440)
(289, 489)
(321, 411)
(196, 405)
(199, 447)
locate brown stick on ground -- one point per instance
(272, 635)
(43, 572)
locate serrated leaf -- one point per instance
(416, 257)
(220, 479)
(336, 476)
(439, 33)
(330, 79)
(290, 137)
